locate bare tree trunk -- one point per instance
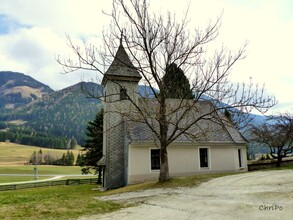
(164, 168)
(279, 160)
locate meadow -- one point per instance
(17, 154)
(72, 202)
(13, 158)
(42, 170)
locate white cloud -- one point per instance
(269, 48)
(37, 33)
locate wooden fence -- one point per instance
(17, 186)
(265, 165)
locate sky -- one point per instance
(33, 33)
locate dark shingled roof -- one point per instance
(121, 68)
(204, 131)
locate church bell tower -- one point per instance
(120, 88)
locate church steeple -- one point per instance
(121, 68)
(120, 86)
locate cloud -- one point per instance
(269, 48)
(32, 32)
(74, 17)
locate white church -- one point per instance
(132, 153)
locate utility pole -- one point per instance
(36, 169)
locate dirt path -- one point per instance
(256, 195)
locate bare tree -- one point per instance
(154, 42)
(277, 134)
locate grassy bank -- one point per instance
(71, 202)
(60, 202)
(191, 181)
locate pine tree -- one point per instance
(63, 160)
(176, 83)
(93, 144)
(70, 159)
(79, 160)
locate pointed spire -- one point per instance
(121, 68)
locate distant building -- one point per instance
(130, 152)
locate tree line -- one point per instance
(48, 158)
(28, 136)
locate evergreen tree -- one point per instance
(93, 144)
(80, 160)
(70, 158)
(176, 83)
(63, 160)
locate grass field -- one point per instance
(17, 154)
(72, 202)
(59, 202)
(42, 170)
(14, 156)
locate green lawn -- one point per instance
(71, 202)
(59, 202)
(14, 179)
(14, 156)
(42, 170)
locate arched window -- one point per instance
(123, 94)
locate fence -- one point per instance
(265, 165)
(48, 183)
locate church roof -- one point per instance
(121, 68)
(204, 131)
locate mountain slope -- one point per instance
(63, 113)
(45, 114)
(17, 89)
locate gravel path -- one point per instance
(255, 195)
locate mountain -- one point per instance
(63, 113)
(17, 89)
(32, 113)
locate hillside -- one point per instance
(17, 154)
(63, 113)
(17, 89)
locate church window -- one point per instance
(155, 159)
(203, 157)
(123, 94)
(239, 157)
